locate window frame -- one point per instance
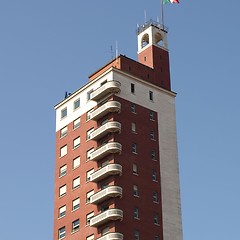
(74, 205)
(151, 95)
(64, 113)
(76, 123)
(63, 151)
(63, 132)
(76, 142)
(62, 233)
(75, 159)
(64, 171)
(76, 227)
(76, 104)
(62, 213)
(76, 183)
(64, 191)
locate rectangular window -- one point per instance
(134, 127)
(76, 183)
(88, 195)
(76, 104)
(151, 95)
(89, 114)
(135, 212)
(89, 153)
(89, 173)
(153, 154)
(152, 135)
(76, 204)
(105, 163)
(135, 191)
(62, 190)
(154, 175)
(76, 162)
(76, 142)
(75, 225)
(105, 231)
(155, 197)
(133, 108)
(63, 171)
(89, 133)
(104, 207)
(61, 233)
(63, 132)
(90, 237)
(132, 88)
(62, 211)
(135, 170)
(89, 94)
(76, 123)
(134, 148)
(151, 115)
(63, 151)
(63, 113)
(136, 235)
(156, 219)
(88, 217)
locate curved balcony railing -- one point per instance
(111, 106)
(105, 129)
(110, 169)
(111, 236)
(108, 215)
(111, 191)
(111, 147)
(105, 89)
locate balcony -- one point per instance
(105, 89)
(110, 169)
(111, 147)
(108, 215)
(105, 129)
(111, 106)
(111, 191)
(111, 236)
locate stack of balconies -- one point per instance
(111, 191)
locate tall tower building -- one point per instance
(116, 150)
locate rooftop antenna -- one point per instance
(116, 48)
(112, 52)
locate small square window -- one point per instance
(151, 95)
(135, 170)
(88, 196)
(76, 142)
(151, 115)
(134, 127)
(133, 108)
(63, 171)
(135, 191)
(88, 217)
(62, 190)
(75, 225)
(89, 173)
(153, 154)
(62, 211)
(152, 135)
(134, 148)
(155, 197)
(136, 212)
(76, 123)
(61, 233)
(154, 175)
(132, 88)
(63, 132)
(63, 113)
(76, 104)
(76, 183)
(76, 204)
(63, 151)
(76, 162)
(156, 219)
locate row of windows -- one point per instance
(133, 90)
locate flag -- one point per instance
(170, 1)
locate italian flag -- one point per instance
(170, 1)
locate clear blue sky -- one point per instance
(48, 47)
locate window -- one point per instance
(63, 132)
(75, 225)
(151, 95)
(104, 207)
(156, 238)
(135, 212)
(104, 82)
(104, 185)
(132, 88)
(76, 162)
(90, 237)
(154, 175)
(62, 190)
(155, 218)
(76, 123)
(134, 148)
(89, 94)
(133, 108)
(88, 217)
(153, 154)
(89, 133)
(105, 163)
(88, 195)
(155, 197)
(134, 127)
(135, 191)
(89, 173)
(105, 231)
(135, 170)
(76, 142)
(76, 183)
(63, 151)
(61, 233)
(136, 235)
(63, 113)
(89, 114)
(76, 104)
(151, 115)
(152, 135)
(63, 171)
(89, 153)
(76, 204)
(62, 211)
